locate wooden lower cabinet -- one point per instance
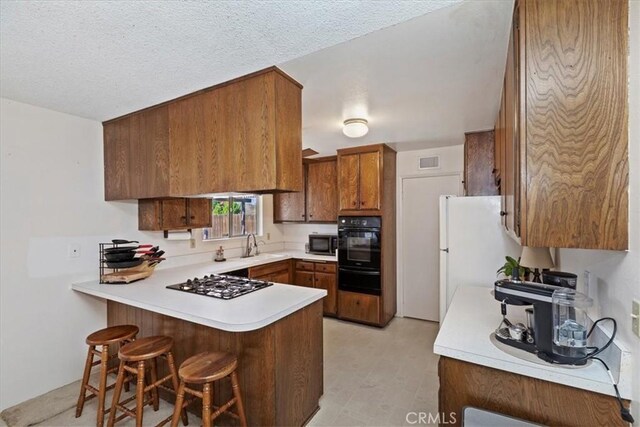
(359, 307)
(304, 278)
(321, 275)
(277, 272)
(542, 402)
(327, 281)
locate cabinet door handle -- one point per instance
(310, 216)
(363, 203)
(354, 203)
(193, 217)
(184, 219)
(503, 213)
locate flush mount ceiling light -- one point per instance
(355, 128)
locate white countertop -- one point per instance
(246, 313)
(464, 335)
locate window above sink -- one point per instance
(234, 215)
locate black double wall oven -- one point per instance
(359, 243)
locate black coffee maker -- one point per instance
(556, 332)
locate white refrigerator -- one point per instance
(473, 244)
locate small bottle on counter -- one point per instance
(220, 254)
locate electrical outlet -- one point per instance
(192, 243)
(73, 250)
(635, 314)
(268, 236)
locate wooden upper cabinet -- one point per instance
(479, 158)
(290, 207)
(370, 170)
(174, 214)
(322, 191)
(241, 136)
(348, 180)
(318, 202)
(360, 178)
(564, 160)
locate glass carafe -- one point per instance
(570, 323)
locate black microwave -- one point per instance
(323, 244)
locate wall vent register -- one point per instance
(432, 162)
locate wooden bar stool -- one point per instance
(103, 338)
(205, 368)
(139, 352)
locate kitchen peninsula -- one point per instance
(276, 332)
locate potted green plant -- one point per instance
(512, 265)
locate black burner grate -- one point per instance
(220, 286)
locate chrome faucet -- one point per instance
(250, 248)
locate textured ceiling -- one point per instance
(421, 84)
(101, 59)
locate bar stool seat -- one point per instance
(135, 358)
(112, 335)
(205, 368)
(145, 348)
(102, 338)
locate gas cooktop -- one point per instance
(220, 286)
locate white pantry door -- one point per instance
(421, 243)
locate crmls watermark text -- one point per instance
(441, 418)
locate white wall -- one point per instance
(451, 162)
(616, 275)
(51, 194)
(296, 235)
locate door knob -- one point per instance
(503, 213)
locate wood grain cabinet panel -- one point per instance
(304, 278)
(318, 201)
(321, 275)
(359, 307)
(199, 212)
(369, 189)
(348, 181)
(173, 214)
(360, 178)
(327, 281)
(563, 125)
(244, 135)
(466, 384)
(279, 271)
(479, 158)
(322, 191)
(290, 207)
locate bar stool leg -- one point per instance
(206, 405)
(174, 381)
(127, 377)
(236, 393)
(104, 360)
(154, 378)
(140, 394)
(177, 410)
(116, 395)
(85, 381)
